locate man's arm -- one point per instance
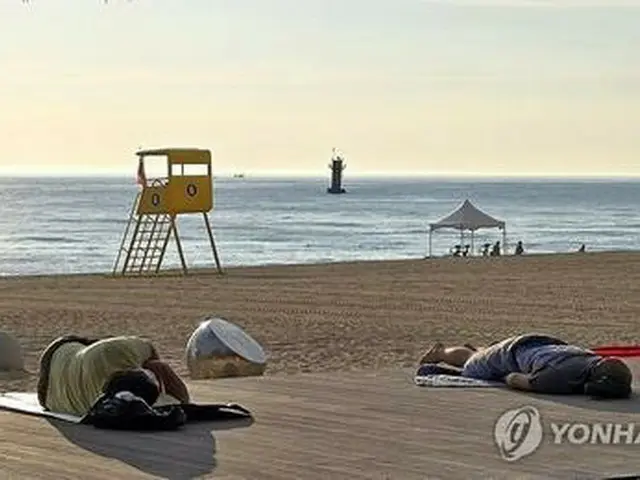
(519, 381)
(172, 383)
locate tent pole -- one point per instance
(472, 246)
(430, 231)
(504, 240)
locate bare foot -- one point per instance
(434, 354)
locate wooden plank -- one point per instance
(324, 425)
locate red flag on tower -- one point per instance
(142, 178)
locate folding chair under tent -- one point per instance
(468, 217)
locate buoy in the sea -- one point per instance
(11, 359)
(218, 348)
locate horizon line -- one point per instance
(356, 175)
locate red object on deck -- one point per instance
(618, 350)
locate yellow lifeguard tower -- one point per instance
(157, 205)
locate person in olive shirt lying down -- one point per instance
(538, 363)
(75, 371)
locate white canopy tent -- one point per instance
(468, 217)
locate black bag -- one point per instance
(435, 369)
(126, 411)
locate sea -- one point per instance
(75, 225)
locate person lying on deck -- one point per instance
(538, 363)
(75, 371)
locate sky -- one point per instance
(417, 87)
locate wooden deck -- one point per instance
(348, 425)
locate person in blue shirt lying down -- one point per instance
(538, 363)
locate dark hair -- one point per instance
(134, 381)
(609, 378)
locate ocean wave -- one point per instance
(87, 221)
(47, 239)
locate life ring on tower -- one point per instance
(192, 190)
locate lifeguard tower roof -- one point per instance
(184, 153)
(169, 151)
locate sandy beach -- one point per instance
(338, 317)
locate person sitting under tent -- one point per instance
(485, 249)
(495, 251)
(519, 248)
(458, 251)
(538, 363)
(75, 371)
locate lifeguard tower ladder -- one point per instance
(155, 209)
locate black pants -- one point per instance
(45, 362)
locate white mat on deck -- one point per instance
(26, 402)
(451, 381)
